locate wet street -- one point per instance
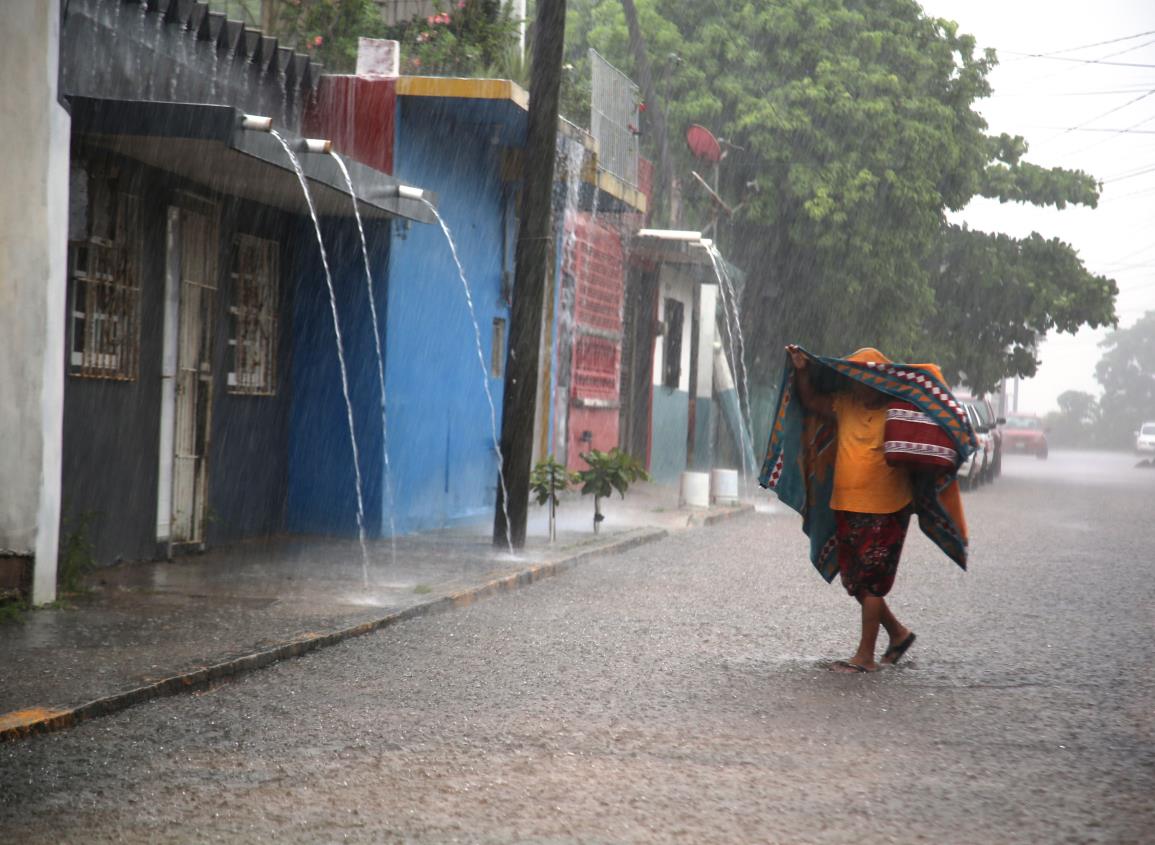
(678, 693)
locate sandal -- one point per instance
(893, 654)
(847, 667)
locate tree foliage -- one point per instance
(1127, 373)
(851, 131)
(996, 296)
(1075, 425)
(462, 37)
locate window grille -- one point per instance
(105, 288)
(672, 355)
(253, 317)
(614, 102)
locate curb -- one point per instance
(722, 516)
(22, 723)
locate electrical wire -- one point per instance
(1098, 43)
(1082, 61)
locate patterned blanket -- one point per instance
(799, 463)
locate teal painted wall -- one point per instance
(671, 417)
(703, 460)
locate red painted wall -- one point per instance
(597, 263)
(357, 115)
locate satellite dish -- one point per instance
(703, 144)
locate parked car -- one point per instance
(1145, 440)
(977, 469)
(994, 425)
(1025, 434)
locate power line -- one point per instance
(1098, 43)
(1094, 129)
(1130, 102)
(1130, 175)
(1080, 61)
(1137, 89)
(1101, 60)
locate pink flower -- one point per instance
(318, 41)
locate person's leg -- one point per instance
(872, 608)
(869, 576)
(895, 630)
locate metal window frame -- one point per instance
(253, 328)
(104, 300)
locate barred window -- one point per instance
(105, 286)
(253, 317)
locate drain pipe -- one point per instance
(257, 123)
(314, 145)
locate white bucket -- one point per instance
(695, 492)
(724, 486)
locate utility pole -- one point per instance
(665, 175)
(531, 266)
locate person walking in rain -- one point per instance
(827, 460)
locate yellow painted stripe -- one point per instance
(618, 189)
(18, 719)
(470, 89)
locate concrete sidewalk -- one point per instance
(154, 629)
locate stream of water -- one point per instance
(737, 359)
(484, 370)
(340, 351)
(380, 359)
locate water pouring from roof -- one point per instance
(414, 193)
(380, 358)
(340, 350)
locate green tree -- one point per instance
(996, 296)
(853, 131)
(1075, 424)
(1127, 373)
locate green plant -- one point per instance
(76, 558)
(548, 479)
(12, 610)
(609, 471)
(464, 38)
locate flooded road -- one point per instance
(678, 693)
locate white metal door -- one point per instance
(187, 391)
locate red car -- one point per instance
(1025, 434)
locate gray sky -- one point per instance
(1061, 107)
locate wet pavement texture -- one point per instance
(679, 693)
(144, 623)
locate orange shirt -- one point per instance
(863, 481)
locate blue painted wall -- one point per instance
(322, 482)
(444, 467)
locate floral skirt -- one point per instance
(869, 546)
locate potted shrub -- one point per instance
(548, 479)
(609, 471)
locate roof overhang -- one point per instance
(670, 246)
(209, 145)
(499, 106)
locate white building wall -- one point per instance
(33, 264)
